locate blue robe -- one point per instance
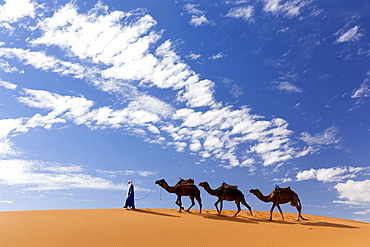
(130, 202)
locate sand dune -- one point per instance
(167, 227)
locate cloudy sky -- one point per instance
(252, 92)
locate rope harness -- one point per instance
(147, 194)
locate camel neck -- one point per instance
(262, 197)
(168, 188)
(210, 190)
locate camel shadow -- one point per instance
(328, 224)
(154, 213)
(244, 219)
(228, 218)
(252, 220)
(282, 222)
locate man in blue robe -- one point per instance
(130, 201)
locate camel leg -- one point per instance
(216, 203)
(299, 208)
(179, 203)
(297, 203)
(239, 209)
(192, 203)
(244, 202)
(221, 205)
(271, 210)
(281, 212)
(200, 204)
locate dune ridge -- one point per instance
(168, 227)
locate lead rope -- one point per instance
(146, 195)
(160, 193)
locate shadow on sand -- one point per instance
(243, 219)
(154, 213)
(258, 220)
(249, 219)
(229, 218)
(328, 224)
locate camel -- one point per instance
(227, 194)
(280, 196)
(182, 190)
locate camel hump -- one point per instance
(183, 182)
(228, 186)
(278, 189)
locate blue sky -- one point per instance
(254, 93)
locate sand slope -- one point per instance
(167, 227)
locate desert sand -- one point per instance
(168, 227)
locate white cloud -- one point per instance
(306, 175)
(198, 21)
(146, 173)
(191, 9)
(234, 89)
(354, 191)
(329, 174)
(55, 102)
(113, 174)
(11, 11)
(125, 50)
(346, 202)
(5, 201)
(6, 149)
(350, 35)
(153, 129)
(194, 56)
(287, 87)
(363, 91)
(222, 130)
(282, 180)
(328, 137)
(245, 13)
(212, 142)
(7, 85)
(44, 62)
(36, 175)
(198, 94)
(124, 53)
(217, 56)
(179, 146)
(290, 8)
(7, 126)
(307, 150)
(118, 53)
(95, 35)
(195, 146)
(198, 17)
(152, 105)
(39, 175)
(78, 110)
(363, 212)
(7, 68)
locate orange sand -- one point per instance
(168, 227)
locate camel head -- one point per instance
(254, 191)
(160, 182)
(202, 183)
